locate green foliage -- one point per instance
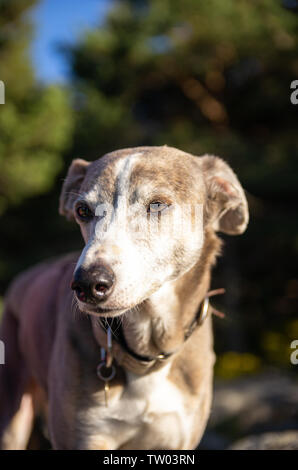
(205, 76)
(35, 122)
(234, 364)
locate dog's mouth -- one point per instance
(96, 310)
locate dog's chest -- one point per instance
(148, 404)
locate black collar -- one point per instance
(115, 324)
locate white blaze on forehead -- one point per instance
(123, 172)
(121, 191)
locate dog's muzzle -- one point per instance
(94, 284)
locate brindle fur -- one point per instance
(50, 342)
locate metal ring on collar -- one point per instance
(110, 376)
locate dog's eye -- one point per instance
(156, 206)
(83, 212)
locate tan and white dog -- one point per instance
(126, 360)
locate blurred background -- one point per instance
(85, 78)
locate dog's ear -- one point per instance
(71, 186)
(227, 208)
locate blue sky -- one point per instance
(59, 22)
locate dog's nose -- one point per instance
(94, 284)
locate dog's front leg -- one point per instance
(16, 408)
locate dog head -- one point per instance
(143, 213)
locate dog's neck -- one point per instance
(159, 324)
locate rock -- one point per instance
(254, 405)
(287, 440)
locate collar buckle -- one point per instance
(203, 311)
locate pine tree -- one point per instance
(204, 76)
(35, 121)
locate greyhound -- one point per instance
(114, 346)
